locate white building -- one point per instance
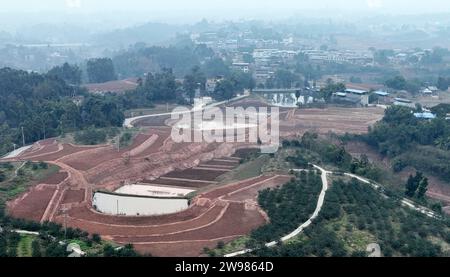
(244, 67)
(129, 205)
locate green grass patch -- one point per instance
(233, 246)
(247, 170)
(30, 174)
(24, 247)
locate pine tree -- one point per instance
(423, 188)
(411, 186)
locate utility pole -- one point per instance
(23, 137)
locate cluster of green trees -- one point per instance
(288, 206)
(352, 207)
(283, 78)
(100, 70)
(400, 83)
(435, 56)
(43, 106)
(330, 153)
(331, 88)
(160, 86)
(196, 79)
(180, 58)
(46, 244)
(95, 136)
(71, 74)
(417, 186)
(443, 83)
(4, 168)
(410, 141)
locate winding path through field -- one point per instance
(405, 202)
(300, 229)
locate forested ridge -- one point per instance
(354, 215)
(409, 141)
(44, 106)
(302, 193)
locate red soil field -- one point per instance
(56, 178)
(196, 174)
(235, 222)
(89, 215)
(145, 230)
(337, 120)
(95, 157)
(222, 191)
(220, 163)
(68, 149)
(252, 192)
(177, 183)
(34, 203)
(152, 121)
(73, 196)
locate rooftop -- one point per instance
(425, 115)
(356, 91)
(381, 93)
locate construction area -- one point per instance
(156, 167)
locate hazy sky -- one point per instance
(188, 11)
(202, 7)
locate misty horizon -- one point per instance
(24, 12)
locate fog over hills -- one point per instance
(109, 14)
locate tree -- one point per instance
(398, 82)
(224, 90)
(160, 86)
(216, 67)
(69, 73)
(220, 245)
(193, 81)
(417, 184)
(96, 238)
(411, 186)
(36, 249)
(2, 176)
(101, 70)
(331, 88)
(423, 188)
(443, 83)
(284, 78)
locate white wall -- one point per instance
(133, 206)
